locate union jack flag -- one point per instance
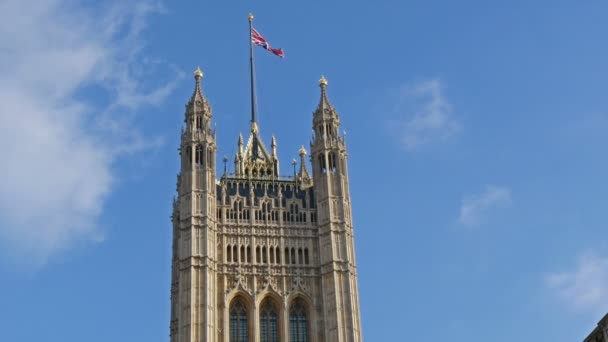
(257, 39)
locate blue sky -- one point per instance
(476, 133)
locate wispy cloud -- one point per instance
(424, 115)
(584, 287)
(58, 146)
(474, 208)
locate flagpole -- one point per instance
(253, 116)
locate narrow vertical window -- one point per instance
(306, 261)
(228, 254)
(300, 256)
(269, 327)
(242, 253)
(322, 166)
(238, 321)
(271, 251)
(298, 322)
(287, 255)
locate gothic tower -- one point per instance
(259, 256)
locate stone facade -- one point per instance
(600, 333)
(258, 256)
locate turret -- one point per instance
(338, 266)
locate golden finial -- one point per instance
(198, 73)
(250, 17)
(323, 81)
(302, 151)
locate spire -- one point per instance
(240, 143)
(303, 176)
(324, 106)
(198, 111)
(197, 95)
(273, 146)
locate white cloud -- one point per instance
(424, 115)
(585, 287)
(473, 208)
(57, 148)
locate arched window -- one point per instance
(269, 326)
(287, 255)
(298, 322)
(322, 166)
(238, 321)
(198, 157)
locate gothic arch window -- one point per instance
(228, 254)
(235, 257)
(298, 322)
(293, 256)
(242, 253)
(333, 165)
(322, 165)
(258, 259)
(198, 157)
(300, 256)
(239, 327)
(287, 255)
(269, 322)
(271, 252)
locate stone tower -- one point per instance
(258, 256)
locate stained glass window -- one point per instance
(238, 321)
(298, 323)
(269, 327)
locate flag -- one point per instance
(257, 39)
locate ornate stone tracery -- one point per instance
(253, 241)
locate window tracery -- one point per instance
(298, 322)
(269, 327)
(239, 330)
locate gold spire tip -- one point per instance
(198, 73)
(250, 16)
(323, 81)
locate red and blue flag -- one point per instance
(257, 39)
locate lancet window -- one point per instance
(322, 165)
(238, 321)
(199, 155)
(298, 322)
(269, 326)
